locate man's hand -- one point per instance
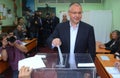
(56, 42)
(102, 46)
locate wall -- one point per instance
(114, 6)
(107, 5)
(19, 7)
(64, 6)
(8, 4)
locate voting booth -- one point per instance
(82, 67)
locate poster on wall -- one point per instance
(28, 5)
(1, 8)
(2, 12)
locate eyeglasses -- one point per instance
(75, 12)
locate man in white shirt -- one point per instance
(74, 36)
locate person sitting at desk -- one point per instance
(18, 32)
(12, 51)
(114, 43)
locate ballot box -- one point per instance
(82, 66)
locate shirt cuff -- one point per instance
(53, 46)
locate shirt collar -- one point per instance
(74, 27)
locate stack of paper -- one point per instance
(24, 43)
(32, 62)
(104, 57)
(113, 71)
(86, 65)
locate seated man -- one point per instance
(12, 51)
(114, 43)
(18, 32)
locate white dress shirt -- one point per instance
(73, 35)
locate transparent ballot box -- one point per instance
(81, 66)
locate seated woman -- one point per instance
(114, 43)
(117, 54)
(18, 32)
(64, 18)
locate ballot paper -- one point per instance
(86, 65)
(103, 57)
(113, 71)
(60, 55)
(32, 62)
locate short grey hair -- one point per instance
(74, 3)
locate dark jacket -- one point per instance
(85, 42)
(113, 45)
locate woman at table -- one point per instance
(114, 43)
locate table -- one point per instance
(101, 64)
(101, 50)
(3, 65)
(52, 69)
(30, 44)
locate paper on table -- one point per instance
(42, 56)
(86, 65)
(113, 71)
(32, 62)
(116, 75)
(60, 55)
(104, 57)
(24, 43)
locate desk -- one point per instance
(3, 65)
(100, 65)
(101, 50)
(30, 44)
